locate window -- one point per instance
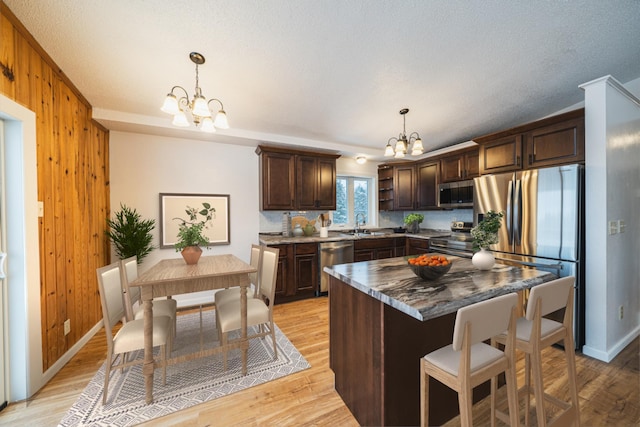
(353, 197)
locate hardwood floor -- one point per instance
(609, 393)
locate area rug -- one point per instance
(188, 384)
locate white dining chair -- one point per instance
(225, 295)
(130, 337)
(131, 294)
(259, 310)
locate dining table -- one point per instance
(173, 277)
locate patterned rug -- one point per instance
(188, 383)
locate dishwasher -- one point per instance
(333, 253)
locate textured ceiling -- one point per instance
(334, 73)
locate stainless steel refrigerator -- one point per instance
(543, 226)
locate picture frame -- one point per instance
(173, 207)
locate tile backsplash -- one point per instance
(271, 221)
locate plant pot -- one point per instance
(483, 260)
(191, 254)
(413, 227)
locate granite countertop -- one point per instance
(392, 282)
(276, 238)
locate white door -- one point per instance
(3, 281)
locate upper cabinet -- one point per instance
(427, 184)
(408, 186)
(296, 179)
(462, 165)
(552, 141)
(404, 187)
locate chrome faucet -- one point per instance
(361, 215)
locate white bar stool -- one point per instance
(534, 333)
(468, 361)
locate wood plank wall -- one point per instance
(73, 183)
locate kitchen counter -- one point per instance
(335, 236)
(383, 319)
(392, 282)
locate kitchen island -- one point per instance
(383, 319)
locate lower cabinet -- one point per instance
(417, 246)
(298, 265)
(370, 249)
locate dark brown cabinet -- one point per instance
(296, 179)
(555, 144)
(316, 182)
(277, 176)
(427, 185)
(460, 166)
(298, 265)
(370, 249)
(408, 186)
(417, 246)
(404, 187)
(553, 141)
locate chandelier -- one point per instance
(198, 106)
(401, 143)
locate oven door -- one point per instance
(450, 247)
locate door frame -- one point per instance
(24, 343)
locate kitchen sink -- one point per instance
(365, 232)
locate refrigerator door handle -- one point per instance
(517, 213)
(509, 210)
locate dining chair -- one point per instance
(225, 295)
(534, 333)
(468, 361)
(130, 337)
(259, 310)
(131, 295)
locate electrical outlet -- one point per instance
(620, 312)
(67, 326)
(613, 227)
(621, 226)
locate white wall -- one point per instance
(142, 166)
(612, 180)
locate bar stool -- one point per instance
(534, 333)
(468, 361)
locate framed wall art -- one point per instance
(213, 209)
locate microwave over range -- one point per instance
(456, 194)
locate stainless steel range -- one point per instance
(458, 243)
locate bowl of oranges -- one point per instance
(429, 267)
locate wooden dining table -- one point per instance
(173, 277)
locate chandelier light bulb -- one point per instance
(388, 152)
(207, 125)
(417, 148)
(400, 146)
(200, 107)
(180, 120)
(170, 105)
(221, 120)
(399, 154)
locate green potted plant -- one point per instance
(191, 232)
(484, 235)
(413, 221)
(130, 234)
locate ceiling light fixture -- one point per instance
(361, 160)
(198, 107)
(401, 143)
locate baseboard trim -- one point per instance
(610, 354)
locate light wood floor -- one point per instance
(609, 393)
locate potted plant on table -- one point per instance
(484, 235)
(130, 234)
(413, 221)
(191, 232)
